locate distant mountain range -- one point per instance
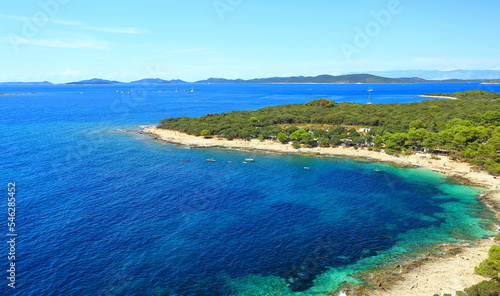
(157, 81)
(24, 83)
(142, 81)
(441, 75)
(354, 78)
(489, 75)
(342, 79)
(95, 81)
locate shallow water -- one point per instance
(106, 211)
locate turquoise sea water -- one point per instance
(104, 210)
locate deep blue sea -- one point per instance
(104, 210)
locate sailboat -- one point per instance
(369, 95)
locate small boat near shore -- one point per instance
(210, 160)
(249, 159)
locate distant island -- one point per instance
(27, 83)
(492, 82)
(157, 81)
(327, 79)
(460, 74)
(141, 81)
(330, 79)
(95, 81)
(321, 79)
(11, 94)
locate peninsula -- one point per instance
(467, 128)
(12, 94)
(458, 138)
(492, 82)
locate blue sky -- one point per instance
(69, 40)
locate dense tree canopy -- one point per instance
(468, 127)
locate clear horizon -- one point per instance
(343, 74)
(62, 40)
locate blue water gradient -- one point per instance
(104, 210)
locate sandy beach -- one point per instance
(439, 275)
(438, 97)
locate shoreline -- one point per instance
(439, 275)
(438, 97)
(432, 273)
(13, 94)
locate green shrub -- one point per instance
(205, 133)
(484, 288)
(490, 267)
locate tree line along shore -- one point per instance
(467, 128)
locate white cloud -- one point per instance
(66, 23)
(13, 17)
(55, 43)
(48, 20)
(117, 30)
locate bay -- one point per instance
(104, 210)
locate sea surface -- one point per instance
(104, 210)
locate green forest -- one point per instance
(467, 128)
